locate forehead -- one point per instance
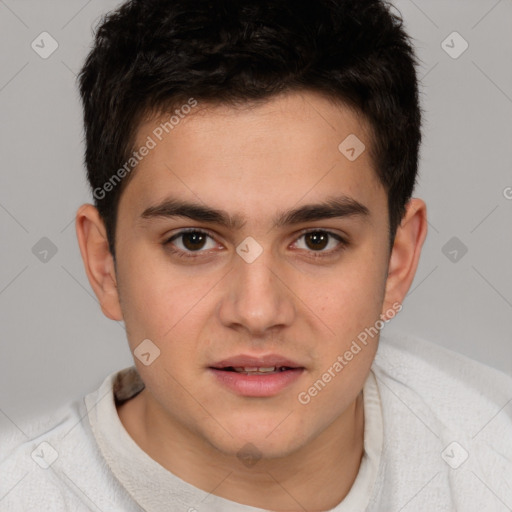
(291, 148)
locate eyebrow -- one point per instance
(334, 207)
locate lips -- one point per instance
(257, 377)
(260, 365)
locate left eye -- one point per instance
(318, 241)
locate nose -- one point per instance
(256, 297)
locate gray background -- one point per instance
(57, 345)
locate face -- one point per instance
(247, 239)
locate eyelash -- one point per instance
(343, 244)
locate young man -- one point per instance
(252, 166)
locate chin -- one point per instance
(259, 442)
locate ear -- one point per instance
(406, 252)
(98, 261)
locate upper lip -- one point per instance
(247, 361)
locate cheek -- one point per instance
(350, 306)
(146, 291)
(351, 300)
(158, 302)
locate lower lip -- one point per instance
(257, 385)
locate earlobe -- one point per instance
(406, 252)
(98, 261)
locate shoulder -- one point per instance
(457, 390)
(54, 459)
(30, 450)
(441, 375)
(451, 413)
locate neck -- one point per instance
(318, 476)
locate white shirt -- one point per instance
(437, 437)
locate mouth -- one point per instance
(256, 376)
(255, 370)
(248, 363)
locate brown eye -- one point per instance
(317, 240)
(320, 241)
(194, 241)
(191, 241)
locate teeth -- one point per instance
(253, 369)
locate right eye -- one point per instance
(190, 241)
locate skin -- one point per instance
(254, 163)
